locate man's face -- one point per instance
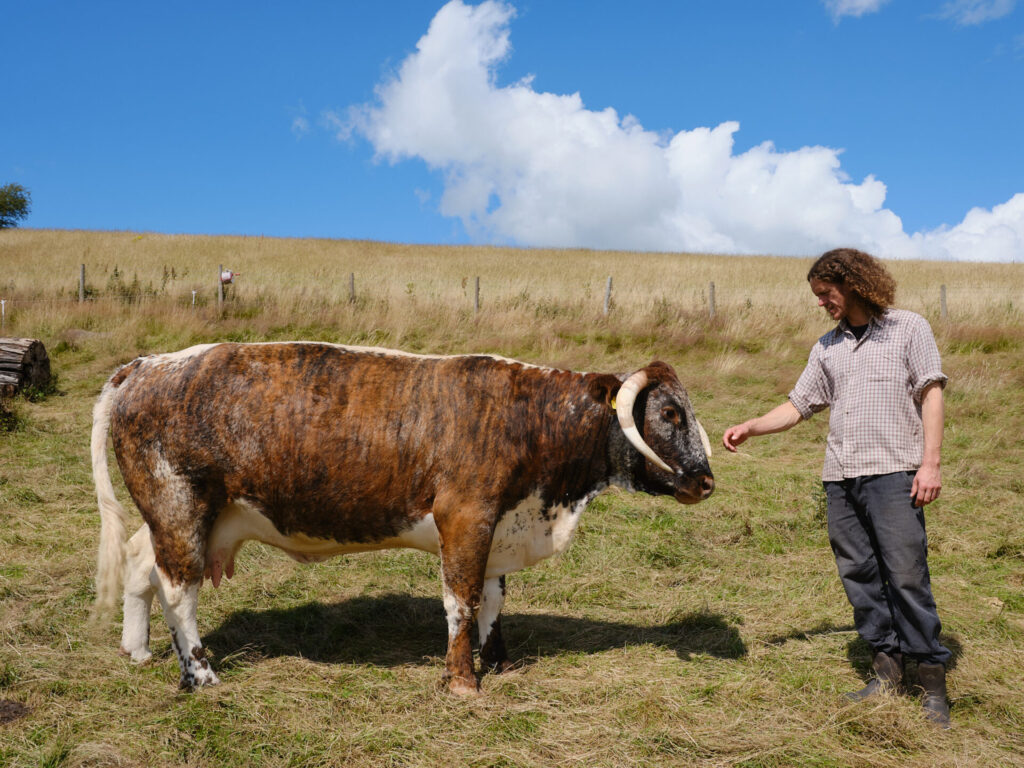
(834, 298)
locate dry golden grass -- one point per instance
(667, 636)
(309, 274)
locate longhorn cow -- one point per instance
(320, 449)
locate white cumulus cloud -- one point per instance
(840, 8)
(972, 12)
(300, 126)
(983, 235)
(540, 169)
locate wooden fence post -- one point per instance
(942, 302)
(608, 295)
(711, 299)
(3, 313)
(476, 297)
(351, 287)
(81, 285)
(220, 287)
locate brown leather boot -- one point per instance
(888, 676)
(933, 681)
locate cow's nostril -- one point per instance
(707, 485)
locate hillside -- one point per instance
(715, 634)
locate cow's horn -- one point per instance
(704, 440)
(624, 409)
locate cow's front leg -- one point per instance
(465, 536)
(493, 656)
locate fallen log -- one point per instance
(23, 363)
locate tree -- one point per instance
(15, 203)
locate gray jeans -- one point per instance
(881, 549)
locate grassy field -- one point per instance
(715, 634)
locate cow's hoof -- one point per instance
(198, 679)
(502, 666)
(499, 667)
(139, 655)
(464, 688)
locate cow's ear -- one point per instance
(658, 372)
(603, 388)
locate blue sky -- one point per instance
(732, 127)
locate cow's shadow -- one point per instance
(397, 629)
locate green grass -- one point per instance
(668, 635)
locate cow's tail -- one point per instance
(113, 518)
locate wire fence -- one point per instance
(221, 292)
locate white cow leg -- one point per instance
(139, 588)
(179, 602)
(493, 655)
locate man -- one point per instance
(880, 373)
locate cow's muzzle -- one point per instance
(696, 490)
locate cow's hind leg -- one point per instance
(179, 521)
(139, 589)
(493, 655)
(179, 603)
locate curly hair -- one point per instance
(864, 275)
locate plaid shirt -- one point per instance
(873, 387)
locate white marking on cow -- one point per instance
(526, 535)
(492, 599)
(140, 584)
(175, 488)
(179, 604)
(455, 610)
(242, 521)
(422, 536)
(175, 359)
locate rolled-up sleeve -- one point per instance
(923, 360)
(811, 393)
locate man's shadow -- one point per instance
(398, 629)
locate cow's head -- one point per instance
(656, 418)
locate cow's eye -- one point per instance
(670, 414)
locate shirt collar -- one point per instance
(844, 326)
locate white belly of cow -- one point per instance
(525, 535)
(241, 521)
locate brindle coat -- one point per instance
(320, 449)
